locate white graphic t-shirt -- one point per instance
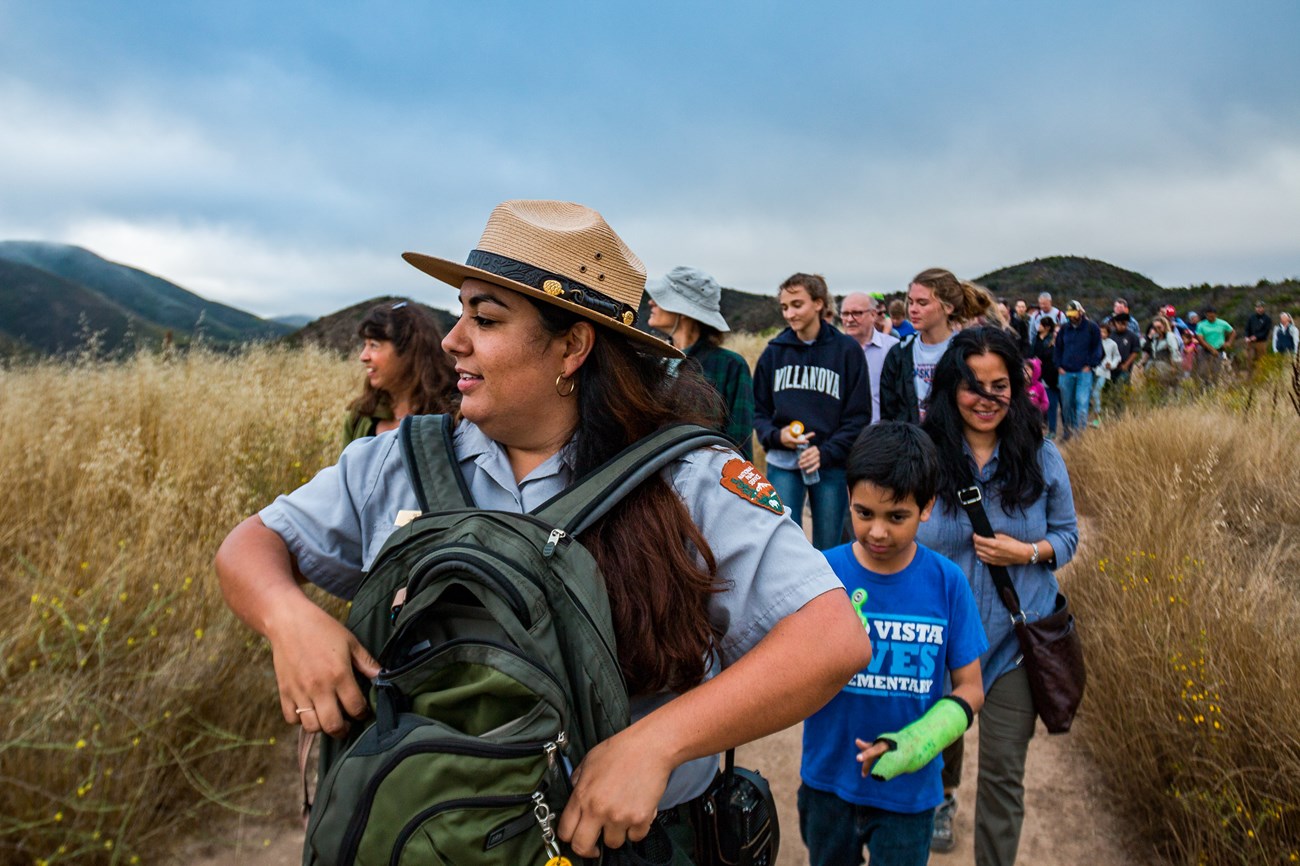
(924, 358)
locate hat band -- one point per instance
(552, 284)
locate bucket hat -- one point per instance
(562, 253)
(689, 292)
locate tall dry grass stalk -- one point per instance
(132, 700)
(1189, 599)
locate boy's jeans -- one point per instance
(835, 830)
(829, 499)
(1076, 388)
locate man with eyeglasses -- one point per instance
(858, 314)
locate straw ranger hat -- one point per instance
(559, 252)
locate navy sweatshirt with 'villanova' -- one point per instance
(823, 384)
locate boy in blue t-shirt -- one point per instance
(871, 757)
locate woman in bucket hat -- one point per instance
(729, 625)
(685, 304)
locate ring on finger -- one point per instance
(301, 710)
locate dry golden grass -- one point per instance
(132, 700)
(1190, 603)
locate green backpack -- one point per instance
(499, 669)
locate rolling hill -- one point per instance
(1067, 277)
(44, 314)
(1097, 284)
(51, 294)
(338, 330)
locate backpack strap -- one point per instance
(431, 463)
(588, 499)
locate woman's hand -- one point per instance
(314, 657)
(314, 653)
(616, 794)
(810, 460)
(791, 441)
(1002, 549)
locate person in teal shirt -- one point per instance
(1214, 333)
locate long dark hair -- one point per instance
(1019, 478)
(427, 370)
(645, 547)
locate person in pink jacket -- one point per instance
(1036, 389)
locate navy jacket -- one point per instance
(824, 385)
(1078, 346)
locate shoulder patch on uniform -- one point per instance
(741, 478)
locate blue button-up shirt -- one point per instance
(1051, 517)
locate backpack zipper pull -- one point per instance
(562, 743)
(557, 535)
(550, 749)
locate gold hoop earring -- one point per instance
(573, 386)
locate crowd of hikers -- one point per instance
(545, 408)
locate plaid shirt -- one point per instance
(729, 374)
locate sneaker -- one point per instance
(943, 839)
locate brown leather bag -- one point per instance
(1053, 652)
(1054, 662)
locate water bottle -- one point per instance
(809, 478)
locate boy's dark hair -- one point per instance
(897, 457)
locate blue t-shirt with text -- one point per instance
(923, 622)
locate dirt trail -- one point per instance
(1067, 818)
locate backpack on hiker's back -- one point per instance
(499, 669)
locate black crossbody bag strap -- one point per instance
(971, 498)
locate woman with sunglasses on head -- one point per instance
(407, 372)
(937, 305)
(986, 430)
(729, 625)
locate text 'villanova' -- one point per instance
(808, 379)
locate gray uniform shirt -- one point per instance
(335, 524)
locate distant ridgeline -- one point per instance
(53, 295)
(1096, 285)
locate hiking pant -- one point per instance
(953, 757)
(1098, 383)
(1006, 726)
(1076, 388)
(1258, 349)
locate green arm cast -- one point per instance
(917, 744)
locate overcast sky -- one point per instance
(280, 156)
